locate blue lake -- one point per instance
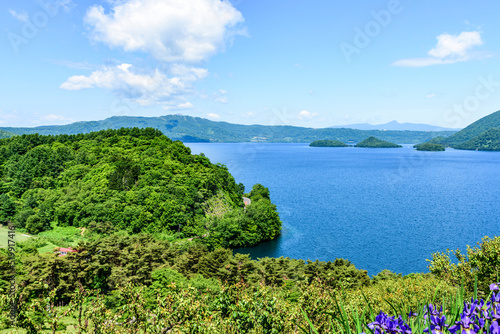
(378, 208)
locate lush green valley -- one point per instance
(372, 142)
(195, 129)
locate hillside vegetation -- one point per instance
(481, 135)
(136, 180)
(195, 129)
(120, 284)
(487, 141)
(5, 134)
(475, 129)
(131, 284)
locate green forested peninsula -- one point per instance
(473, 130)
(482, 135)
(487, 141)
(429, 147)
(372, 142)
(327, 143)
(138, 180)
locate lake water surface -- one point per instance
(378, 208)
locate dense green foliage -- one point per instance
(487, 141)
(429, 147)
(372, 142)
(327, 143)
(482, 262)
(136, 179)
(107, 262)
(194, 281)
(475, 129)
(195, 129)
(119, 284)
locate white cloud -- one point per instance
(221, 99)
(66, 5)
(186, 105)
(222, 91)
(249, 115)
(188, 73)
(304, 114)
(143, 88)
(456, 46)
(22, 16)
(430, 96)
(170, 30)
(449, 49)
(213, 116)
(124, 67)
(171, 106)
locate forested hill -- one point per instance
(482, 135)
(487, 141)
(5, 134)
(195, 129)
(134, 179)
(475, 129)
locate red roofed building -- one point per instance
(64, 251)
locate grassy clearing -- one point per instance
(4, 237)
(46, 241)
(63, 236)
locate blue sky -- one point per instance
(308, 63)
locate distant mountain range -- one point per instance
(195, 129)
(395, 125)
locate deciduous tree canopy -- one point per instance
(136, 179)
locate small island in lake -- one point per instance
(433, 147)
(327, 143)
(372, 142)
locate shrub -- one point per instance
(482, 262)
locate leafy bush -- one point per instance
(482, 262)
